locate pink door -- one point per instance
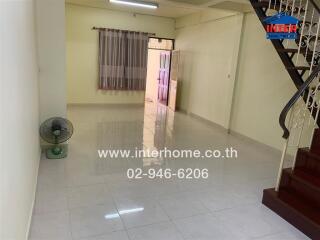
(164, 74)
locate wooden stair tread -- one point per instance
(315, 146)
(307, 177)
(304, 68)
(304, 178)
(308, 162)
(262, 4)
(288, 50)
(301, 206)
(294, 50)
(310, 153)
(301, 187)
(294, 210)
(265, 4)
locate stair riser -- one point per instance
(297, 219)
(301, 189)
(275, 7)
(306, 161)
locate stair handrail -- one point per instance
(302, 89)
(304, 112)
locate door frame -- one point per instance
(170, 86)
(167, 86)
(173, 48)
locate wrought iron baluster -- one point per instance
(315, 46)
(308, 38)
(301, 33)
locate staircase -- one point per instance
(296, 196)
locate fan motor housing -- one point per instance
(55, 131)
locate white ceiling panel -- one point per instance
(167, 8)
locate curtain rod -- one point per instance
(99, 28)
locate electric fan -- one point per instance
(56, 131)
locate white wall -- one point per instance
(51, 45)
(209, 49)
(263, 87)
(82, 50)
(19, 117)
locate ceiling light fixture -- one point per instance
(136, 3)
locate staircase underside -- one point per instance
(293, 211)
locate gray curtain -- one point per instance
(123, 59)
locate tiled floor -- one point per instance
(85, 197)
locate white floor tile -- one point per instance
(161, 231)
(84, 179)
(253, 220)
(207, 227)
(219, 199)
(51, 226)
(285, 236)
(88, 196)
(51, 200)
(94, 221)
(180, 206)
(51, 179)
(120, 235)
(140, 212)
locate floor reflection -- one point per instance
(87, 197)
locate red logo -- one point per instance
(281, 28)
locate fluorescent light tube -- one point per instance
(122, 212)
(134, 210)
(136, 3)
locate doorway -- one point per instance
(158, 74)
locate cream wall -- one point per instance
(209, 49)
(263, 87)
(52, 54)
(19, 118)
(82, 50)
(211, 78)
(248, 101)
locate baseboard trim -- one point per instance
(233, 133)
(253, 141)
(118, 105)
(181, 110)
(208, 122)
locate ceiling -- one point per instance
(233, 6)
(194, 2)
(168, 8)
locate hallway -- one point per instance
(91, 198)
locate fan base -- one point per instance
(63, 153)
